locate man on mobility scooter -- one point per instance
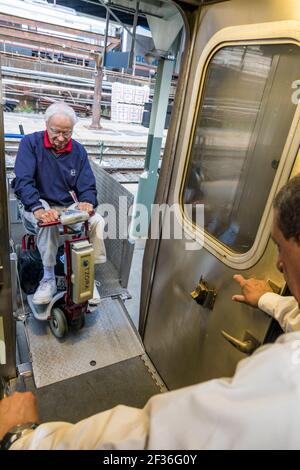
(69, 307)
(53, 174)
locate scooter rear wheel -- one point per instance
(58, 323)
(79, 322)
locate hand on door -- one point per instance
(252, 290)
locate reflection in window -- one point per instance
(242, 125)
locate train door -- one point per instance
(236, 145)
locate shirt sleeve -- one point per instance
(120, 427)
(86, 183)
(25, 168)
(284, 309)
(256, 409)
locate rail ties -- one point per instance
(94, 149)
(124, 161)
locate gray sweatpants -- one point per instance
(48, 238)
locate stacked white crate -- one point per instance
(127, 102)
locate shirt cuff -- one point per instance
(268, 302)
(35, 208)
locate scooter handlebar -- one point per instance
(68, 218)
(48, 224)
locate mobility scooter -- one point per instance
(69, 306)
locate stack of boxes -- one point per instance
(127, 102)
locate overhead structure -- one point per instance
(17, 29)
(164, 33)
(124, 9)
(165, 23)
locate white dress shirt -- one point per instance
(259, 408)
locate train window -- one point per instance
(243, 121)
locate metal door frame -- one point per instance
(166, 172)
(8, 369)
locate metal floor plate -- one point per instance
(127, 383)
(108, 337)
(108, 283)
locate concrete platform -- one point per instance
(114, 132)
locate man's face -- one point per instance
(288, 258)
(59, 130)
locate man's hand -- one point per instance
(252, 290)
(85, 206)
(46, 216)
(19, 408)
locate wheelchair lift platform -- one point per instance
(104, 363)
(106, 338)
(100, 366)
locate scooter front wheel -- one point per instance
(58, 323)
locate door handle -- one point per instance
(246, 346)
(204, 295)
(275, 288)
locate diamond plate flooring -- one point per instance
(108, 281)
(108, 337)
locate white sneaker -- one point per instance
(45, 292)
(96, 297)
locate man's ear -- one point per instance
(297, 240)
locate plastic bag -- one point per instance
(30, 268)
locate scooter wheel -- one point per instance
(79, 323)
(58, 323)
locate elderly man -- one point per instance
(52, 172)
(257, 409)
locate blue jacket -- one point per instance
(40, 174)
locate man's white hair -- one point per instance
(60, 108)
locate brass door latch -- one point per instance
(204, 295)
(247, 345)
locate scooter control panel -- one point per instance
(71, 216)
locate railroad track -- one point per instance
(100, 150)
(76, 83)
(125, 162)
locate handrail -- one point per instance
(14, 136)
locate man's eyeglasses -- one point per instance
(57, 133)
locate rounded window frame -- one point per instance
(281, 32)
